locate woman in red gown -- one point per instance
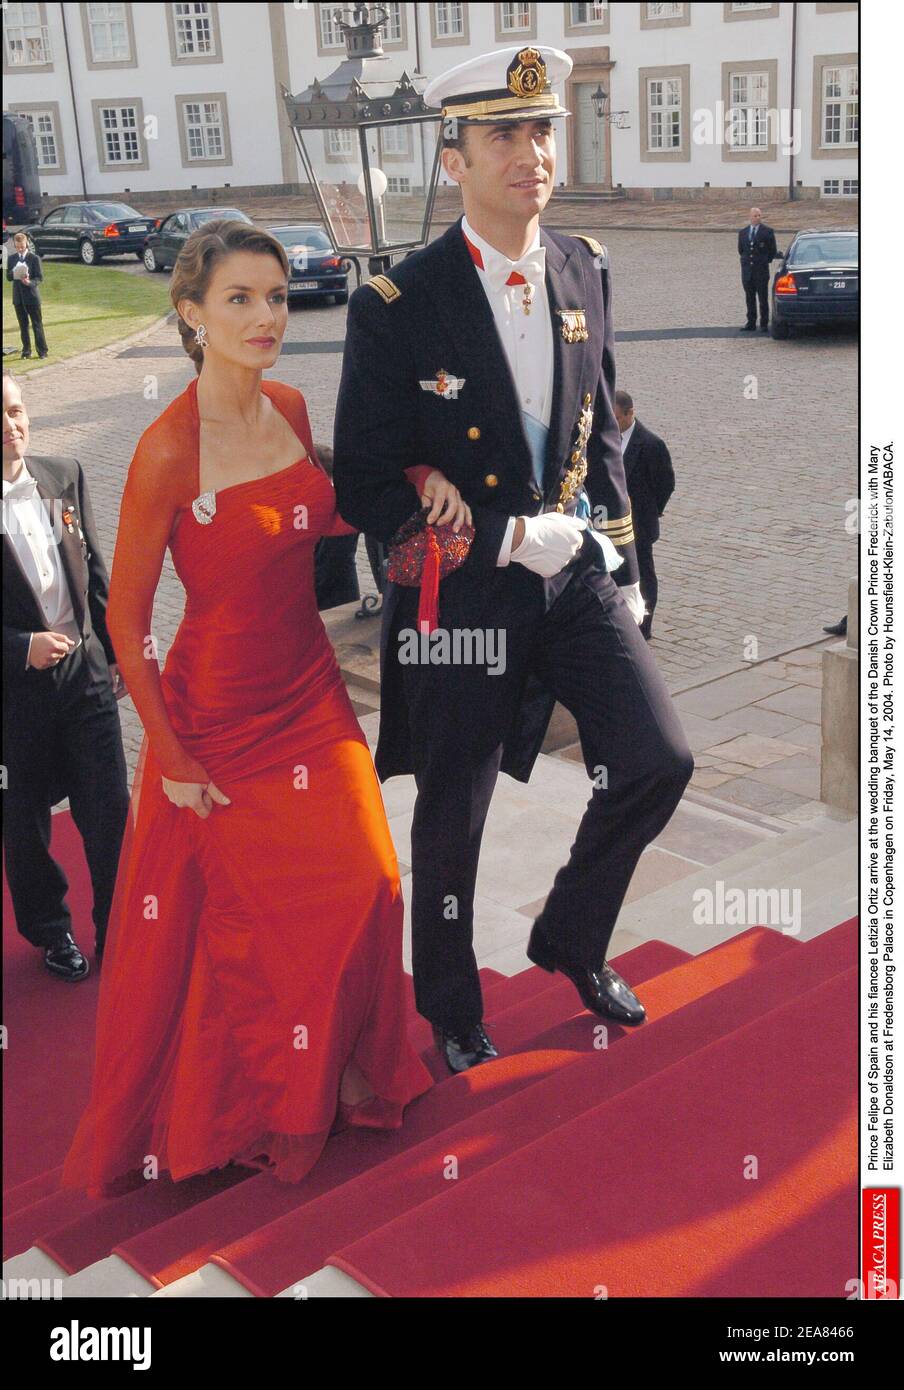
(252, 997)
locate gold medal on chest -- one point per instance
(574, 325)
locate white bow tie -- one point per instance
(20, 489)
(532, 267)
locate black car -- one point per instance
(91, 231)
(818, 281)
(314, 267)
(167, 240)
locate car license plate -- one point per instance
(138, 227)
(305, 284)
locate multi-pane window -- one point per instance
(194, 30)
(27, 40)
(109, 33)
(515, 18)
(119, 127)
(840, 188)
(738, 8)
(748, 116)
(340, 143)
(392, 29)
(664, 113)
(330, 33)
(840, 106)
(450, 21)
(665, 11)
(588, 14)
(394, 139)
(45, 138)
(203, 129)
(398, 183)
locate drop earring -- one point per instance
(201, 336)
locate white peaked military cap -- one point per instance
(509, 84)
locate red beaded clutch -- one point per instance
(422, 554)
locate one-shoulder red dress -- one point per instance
(254, 955)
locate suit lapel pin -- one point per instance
(444, 385)
(574, 325)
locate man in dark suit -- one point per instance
(651, 482)
(757, 249)
(489, 355)
(61, 732)
(26, 295)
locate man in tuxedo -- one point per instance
(61, 732)
(26, 295)
(651, 482)
(756, 248)
(488, 354)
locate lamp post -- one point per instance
(365, 114)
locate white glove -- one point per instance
(634, 599)
(550, 541)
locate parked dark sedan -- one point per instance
(818, 281)
(91, 231)
(167, 240)
(314, 267)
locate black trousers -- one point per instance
(24, 312)
(61, 736)
(756, 287)
(649, 586)
(590, 652)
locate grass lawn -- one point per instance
(85, 307)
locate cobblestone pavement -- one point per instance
(754, 555)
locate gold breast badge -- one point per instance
(573, 479)
(574, 325)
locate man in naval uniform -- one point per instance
(488, 354)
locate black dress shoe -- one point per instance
(838, 629)
(603, 990)
(465, 1049)
(43, 354)
(65, 960)
(25, 354)
(764, 328)
(747, 328)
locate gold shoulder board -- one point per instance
(385, 288)
(596, 248)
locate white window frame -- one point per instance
(34, 117)
(330, 33)
(508, 15)
(340, 144)
(739, 9)
(665, 109)
(106, 23)
(22, 25)
(392, 30)
(190, 25)
(209, 124)
(450, 20)
(123, 130)
(749, 115)
(658, 11)
(847, 102)
(395, 182)
(599, 8)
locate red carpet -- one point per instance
(577, 1166)
(646, 1195)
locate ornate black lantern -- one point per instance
(370, 146)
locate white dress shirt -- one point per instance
(626, 437)
(526, 338)
(30, 531)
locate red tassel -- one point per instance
(428, 606)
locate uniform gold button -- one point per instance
(491, 480)
(473, 432)
(576, 457)
(560, 506)
(535, 496)
(588, 398)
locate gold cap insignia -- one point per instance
(527, 74)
